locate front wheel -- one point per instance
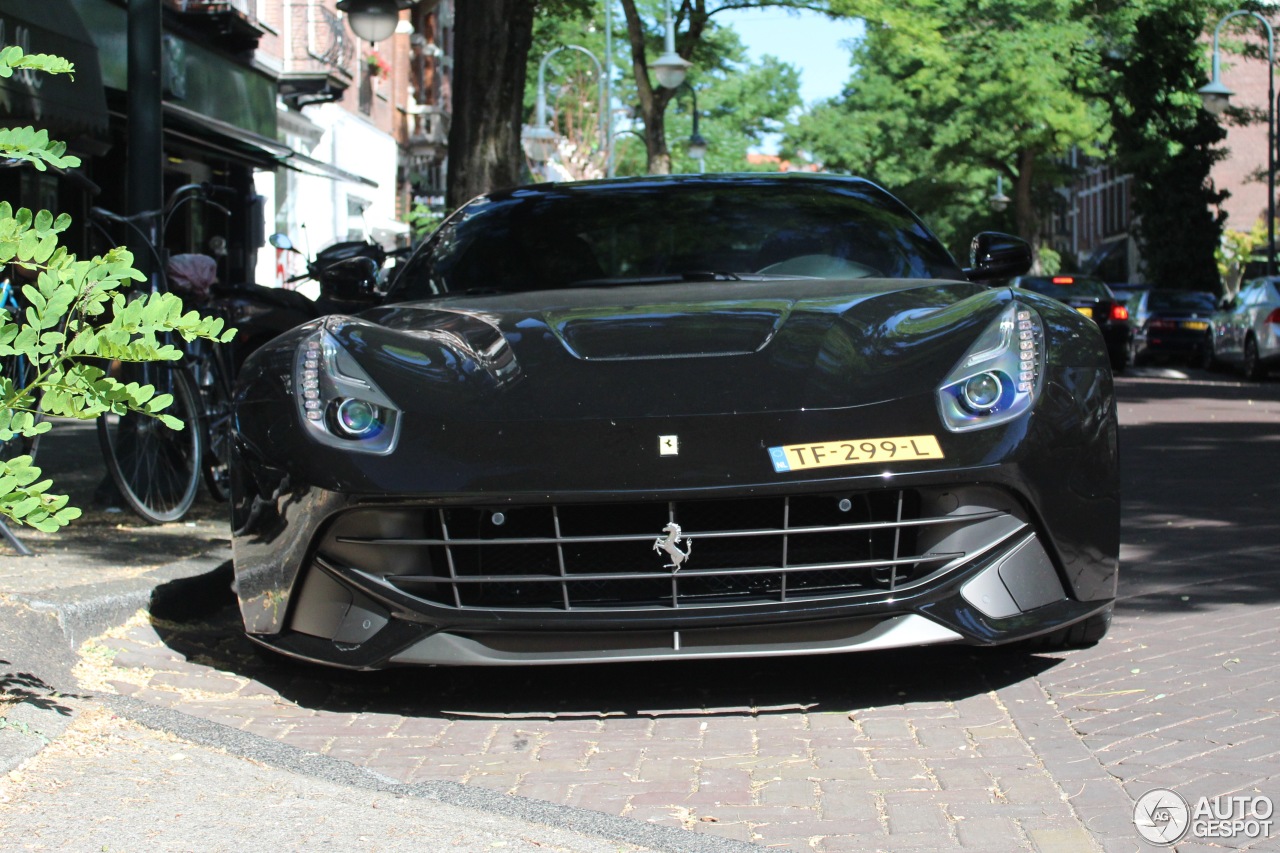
(1081, 635)
(1252, 362)
(156, 469)
(1208, 356)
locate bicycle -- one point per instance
(158, 470)
(17, 373)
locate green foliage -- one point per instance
(1235, 251)
(26, 143)
(1167, 141)
(78, 315)
(948, 94)
(423, 220)
(739, 101)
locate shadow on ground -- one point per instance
(198, 619)
(24, 687)
(1199, 493)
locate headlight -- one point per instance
(340, 405)
(1000, 376)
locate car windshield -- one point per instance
(1179, 300)
(1066, 287)
(653, 232)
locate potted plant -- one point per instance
(375, 65)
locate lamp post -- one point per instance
(1216, 96)
(999, 202)
(696, 145)
(540, 141)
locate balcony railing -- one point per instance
(317, 54)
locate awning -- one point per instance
(58, 102)
(219, 135)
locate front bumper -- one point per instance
(374, 587)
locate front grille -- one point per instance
(601, 556)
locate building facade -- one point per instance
(312, 132)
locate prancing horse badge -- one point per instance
(668, 445)
(671, 544)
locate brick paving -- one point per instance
(932, 749)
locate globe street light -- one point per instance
(540, 141)
(1216, 96)
(374, 20)
(671, 67)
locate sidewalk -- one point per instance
(68, 756)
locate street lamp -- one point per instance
(375, 20)
(696, 145)
(540, 141)
(1216, 97)
(671, 67)
(999, 202)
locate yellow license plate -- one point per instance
(1195, 325)
(855, 451)
(1086, 311)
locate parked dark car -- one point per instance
(1172, 324)
(679, 417)
(1092, 298)
(1126, 291)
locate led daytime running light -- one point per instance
(1001, 375)
(339, 403)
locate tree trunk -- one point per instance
(491, 49)
(654, 101)
(1024, 211)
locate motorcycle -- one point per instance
(347, 273)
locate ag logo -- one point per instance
(1161, 816)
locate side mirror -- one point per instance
(996, 255)
(282, 242)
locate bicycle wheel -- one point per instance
(156, 469)
(21, 372)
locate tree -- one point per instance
(699, 41)
(1166, 140)
(77, 314)
(738, 101)
(491, 50)
(949, 94)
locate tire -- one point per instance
(1134, 358)
(156, 469)
(1119, 360)
(1207, 358)
(1080, 635)
(215, 396)
(1253, 369)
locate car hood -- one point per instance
(679, 349)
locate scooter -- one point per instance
(347, 273)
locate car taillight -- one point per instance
(1161, 324)
(1274, 317)
(1119, 312)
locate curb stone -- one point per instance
(296, 760)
